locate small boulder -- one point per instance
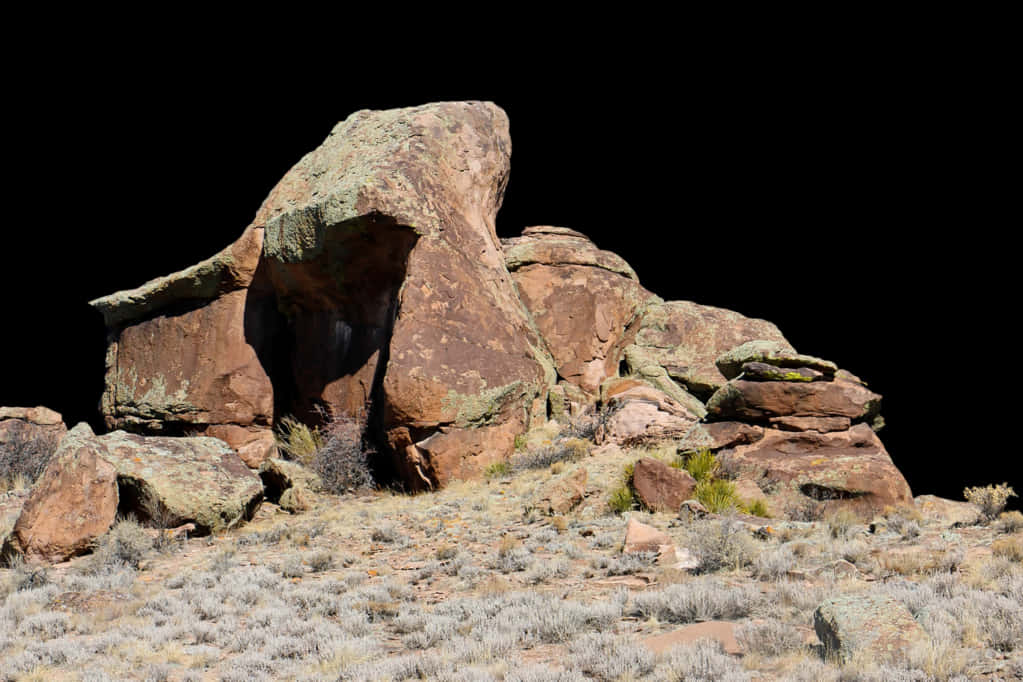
(639, 537)
(72, 504)
(875, 624)
(562, 494)
(949, 513)
(660, 487)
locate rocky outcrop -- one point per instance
(159, 480)
(73, 503)
(28, 438)
(582, 300)
(638, 412)
(370, 282)
(686, 339)
(873, 625)
(801, 431)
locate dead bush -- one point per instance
(342, 462)
(25, 452)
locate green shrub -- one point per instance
(622, 499)
(991, 499)
(297, 440)
(497, 470)
(701, 465)
(717, 495)
(756, 508)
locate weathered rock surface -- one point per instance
(761, 371)
(182, 480)
(639, 537)
(848, 469)
(288, 483)
(582, 300)
(687, 338)
(11, 504)
(371, 276)
(877, 625)
(821, 424)
(756, 401)
(253, 444)
(660, 487)
(72, 504)
(640, 412)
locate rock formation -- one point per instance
(371, 284)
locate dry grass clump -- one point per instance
(701, 660)
(604, 656)
(991, 499)
(561, 449)
(721, 544)
(126, 543)
(769, 638)
(24, 454)
(1010, 548)
(694, 601)
(1010, 522)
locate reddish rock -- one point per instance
(188, 350)
(254, 445)
(581, 298)
(771, 352)
(718, 630)
(660, 487)
(748, 491)
(849, 469)
(639, 537)
(761, 371)
(641, 413)
(718, 435)
(948, 513)
(562, 494)
(72, 504)
(687, 338)
(760, 400)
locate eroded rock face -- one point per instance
(72, 504)
(642, 413)
(687, 338)
(582, 300)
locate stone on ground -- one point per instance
(875, 625)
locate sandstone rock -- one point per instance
(687, 338)
(582, 300)
(771, 352)
(761, 371)
(718, 630)
(718, 435)
(253, 445)
(872, 624)
(748, 491)
(404, 201)
(288, 484)
(197, 480)
(562, 494)
(849, 469)
(372, 273)
(640, 413)
(948, 513)
(660, 487)
(40, 416)
(690, 510)
(72, 504)
(296, 500)
(213, 322)
(639, 537)
(760, 400)
(644, 364)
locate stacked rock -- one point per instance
(803, 430)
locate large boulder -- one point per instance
(28, 438)
(877, 626)
(582, 300)
(71, 505)
(181, 480)
(755, 401)
(370, 281)
(844, 469)
(686, 339)
(191, 349)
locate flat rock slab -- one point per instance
(197, 480)
(760, 400)
(771, 352)
(879, 625)
(718, 630)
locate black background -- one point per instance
(865, 206)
